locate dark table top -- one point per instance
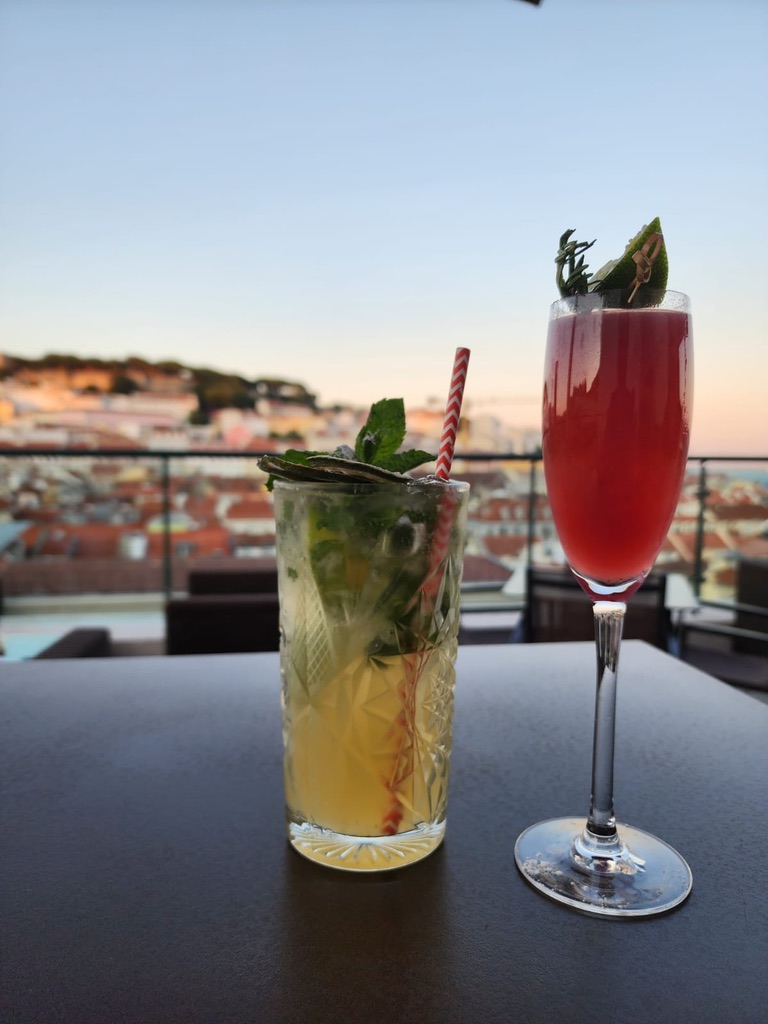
(146, 877)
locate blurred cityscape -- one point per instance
(157, 470)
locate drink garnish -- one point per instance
(643, 264)
(336, 530)
(374, 459)
(352, 469)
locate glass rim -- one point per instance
(647, 298)
(424, 485)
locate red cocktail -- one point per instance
(617, 394)
(616, 421)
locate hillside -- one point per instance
(214, 389)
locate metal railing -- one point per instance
(166, 458)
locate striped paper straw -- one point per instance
(428, 595)
(444, 526)
(452, 414)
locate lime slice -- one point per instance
(621, 274)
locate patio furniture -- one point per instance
(222, 624)
(253, 577)
(752, 603)
(79, 643)
(557, 609)
(736, 651)
(708, 646)
(229, 609)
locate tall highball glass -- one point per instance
(616, 420)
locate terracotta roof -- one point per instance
(209, 540)
(98, 540)
(505, 547)
(251, 508)
(80, 540)
(715, 542)
(743, 511)
(201, 508)
(479, 569)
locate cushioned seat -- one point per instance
(222, 624)
(80, 643)
(229, 579)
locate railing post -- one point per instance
(698, 564)
(531, 509)
(166, 481)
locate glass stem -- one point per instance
(609, 624)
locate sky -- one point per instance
(341, 192)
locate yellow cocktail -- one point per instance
(369, 595)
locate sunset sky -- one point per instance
(340, 193)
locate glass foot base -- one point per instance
(637, 876)
(364, 853)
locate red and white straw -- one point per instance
(444, 527)
(428, 594)
(452, 414)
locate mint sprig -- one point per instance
(376, 445)
(382, 433)
(381, 436)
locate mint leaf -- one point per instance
(300, 458)
(382, 433)
(401, 462)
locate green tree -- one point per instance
(123, 385)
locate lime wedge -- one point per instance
(621, 274)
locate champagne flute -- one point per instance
(616, 418)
